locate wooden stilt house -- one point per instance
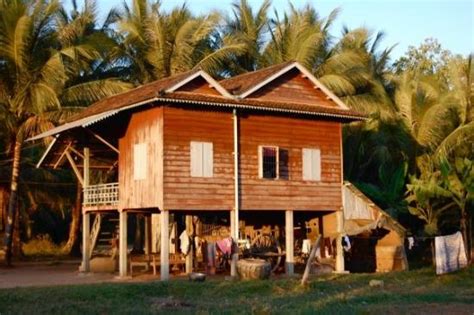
(267, 142)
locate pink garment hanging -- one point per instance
(225, 245)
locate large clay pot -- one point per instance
(254, 268)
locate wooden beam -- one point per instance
(76, 152)
(104, 141)
(62, 156)
(75, 168)
(86, 167)
(312, 255)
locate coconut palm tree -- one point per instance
(249, 29)
(43, 68)
(158, 44)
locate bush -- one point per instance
(42, 245)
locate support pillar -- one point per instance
(148, 234)
(234, 230)
(190, 256)
(289, 243)
(86, 217)
(165, 246)
(339, 250)
(123, 243)
(86, 241)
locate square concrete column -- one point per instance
(234, 231)
(86, 241)
(123, 243)
(289, 243)
(339, 250)
(165, 246)
(190, 255)
(147, 234)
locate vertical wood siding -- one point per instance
(144, 127)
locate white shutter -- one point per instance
(202, 159)
(260, 162)
(196, 159)
(208, 159)
(311, 164)
(316, 164)
(139, 161)
(307, 164)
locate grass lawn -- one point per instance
(414, 292)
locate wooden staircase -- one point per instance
(104, 229)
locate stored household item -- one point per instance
(254, 269)
(197, 276)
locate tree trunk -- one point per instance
(12, 203)
(3, 207)
(75, 222)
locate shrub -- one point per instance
(42, 245)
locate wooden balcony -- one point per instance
(101, 197)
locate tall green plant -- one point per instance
(41, 67)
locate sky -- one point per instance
(404, 22)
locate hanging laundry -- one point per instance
(411, 242)
(184, 243)
(346, 244)
(306, 247)
(210, 257)
(225, 245)
(450, 253)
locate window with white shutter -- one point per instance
(202, 159)
(139, 161)
(311, 164)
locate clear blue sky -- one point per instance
(405, 22)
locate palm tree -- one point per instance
(249, 29)
(158, 44)
(42, 70)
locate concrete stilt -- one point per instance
(190, 256)
(165, 246)
(123, 243)
(339, 250)
(86, 242)
(233, 232)
(289, 243)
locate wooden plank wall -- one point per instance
(291, 134)
(181, 191)
(293, 87)
(144, 127)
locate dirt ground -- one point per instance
(32, 274)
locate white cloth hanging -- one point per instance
(185, 244)
(411, 242)
(450, 253)
(347, 243)
(306, 247)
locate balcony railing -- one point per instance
(101, 195)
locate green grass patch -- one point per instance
(404, 292)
